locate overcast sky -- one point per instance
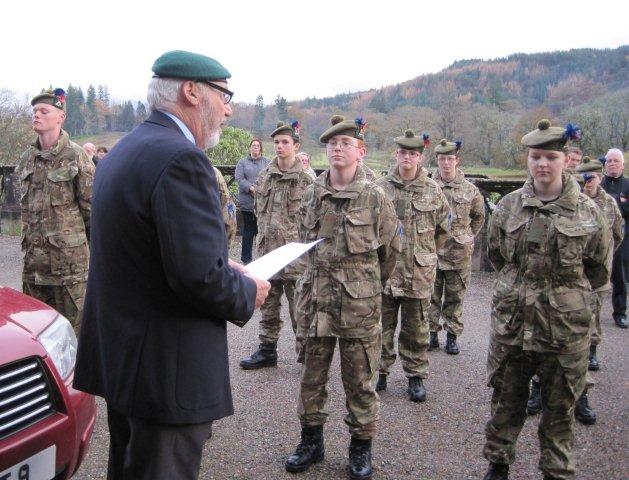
(296, 49)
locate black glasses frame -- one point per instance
(228, 94)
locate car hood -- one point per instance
(21, 313)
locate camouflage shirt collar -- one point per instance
(419, 181)
(64, 138)
(459, 176)
(293, 171)
(564, 205)
(353, 190)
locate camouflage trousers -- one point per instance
(596, 332)
(447, 300)
(359, 365)
(562, 380)
(271, 321)
(66, 299)
(413, 337)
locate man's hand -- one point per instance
(239, 267)
(252, 190)
(262, 290)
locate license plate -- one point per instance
(40, 466)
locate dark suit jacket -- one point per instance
(617, 187)
(153, 338)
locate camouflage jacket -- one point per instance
(548, 257)
(228, 206)
(612, 214)
(423, 210)
(467, 216)
(277, 199)
(56, 205)
(350, 267)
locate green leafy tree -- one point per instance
(258, 116)
(282, 108)
(140, 113)
(92, 113)
(15, 127)
(233, 146)
(75, 111)
(127, 117)
(103, 94)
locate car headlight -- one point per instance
(60, 342)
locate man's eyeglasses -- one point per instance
(226, 94)
(343, 144)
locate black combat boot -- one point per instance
(582, 411)
(621, 320)
(382, 383)
(593, 365)
(451, 347)
(434, 341)
(360, 459)
(416, 390)
(310, 450)
(497, 472)
(534, 405)
(265, 356)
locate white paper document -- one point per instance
(271, 263)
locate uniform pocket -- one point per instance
(360, 231)
(361, 302)
(69, 254)
(60, 184)
(570, 315)
(571, 241)
(424, 214)
(425, 270)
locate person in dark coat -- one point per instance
(161, 285)
(617, 185)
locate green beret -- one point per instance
(340, 126)
(411, 142)
(590, 166)
(546, 137)
(448, 148)
(56, 98)
(292, 129)
(189, 66)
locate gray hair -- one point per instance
(615, 151)
(163, 91)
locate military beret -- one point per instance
(189, 66)
(589, 165)
(340, 126)
(448, 148)
(411, 142)
(546, 137)
(292, 129)
(56, 98)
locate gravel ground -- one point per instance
(439, 439)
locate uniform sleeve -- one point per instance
(227, 206)
(442, 228)
(187, 213)
(258, 186)
(305, 206)
(389, 231)
(597, 256)
(477, 213)
(84, 181)
(618, 227)
(494, 237)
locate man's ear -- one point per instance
(190, 92)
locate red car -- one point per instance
(45, 424)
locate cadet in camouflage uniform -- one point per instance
(339, 295)
(279, 190)
(467, 216)
(423, 211)
(228, 206)
(551, 247)
(56, 179)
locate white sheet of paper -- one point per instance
(271, 263)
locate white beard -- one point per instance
(213, 140)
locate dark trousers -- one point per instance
(141, 449)
(619, 278)
(249, 230)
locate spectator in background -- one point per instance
(305, 160)
(247, 171)
(100, 154)
(617, 185)
(90, 149)
(574, 157)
